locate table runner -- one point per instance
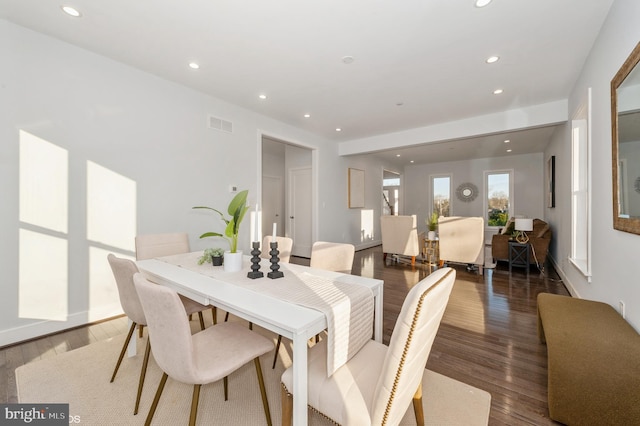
(348, 308)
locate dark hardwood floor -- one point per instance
(487, 337)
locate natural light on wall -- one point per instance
(111, 208)
(43, 274)
(366, 225)
(111, 221)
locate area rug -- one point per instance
(81, 378)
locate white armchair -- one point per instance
(462, 240)
(400, 236)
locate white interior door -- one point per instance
(300, 211)
(272, 205)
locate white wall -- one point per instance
(614, 253)
(528, 175)
(145, 129)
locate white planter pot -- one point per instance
(431, 235)
(233, 261)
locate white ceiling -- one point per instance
(416, 62)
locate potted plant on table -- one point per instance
(212, 255)
(236, 210)
(432, 223)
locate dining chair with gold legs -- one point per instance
(123, 271)
(379, 383)
(337, 257)
(197, 359)
(149, 246)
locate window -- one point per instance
(441, 195)
(580, 188)
(390, 193)
(498, 186)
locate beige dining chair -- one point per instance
(149, 246)
(337, 257)
(285, 246)
(123, 271)
(376, 386)
(198, 359)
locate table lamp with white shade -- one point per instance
(522, 226)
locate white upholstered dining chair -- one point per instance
(377, 385)
(149, 246)
(337, 257)
(285, 246)
(198, 359)
(123, 271)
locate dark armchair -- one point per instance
(539, 240)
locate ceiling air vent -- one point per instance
(220, 124)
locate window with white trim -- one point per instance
(499, 197)
(580, 188)
(441, 195)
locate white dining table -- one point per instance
(293, 321)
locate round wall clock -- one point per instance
(467, 192)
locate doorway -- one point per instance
(287, 192)
(390, 193)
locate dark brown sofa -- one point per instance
(593, 362)
(539, 239)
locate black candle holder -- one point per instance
(255, 261)
(275, 273)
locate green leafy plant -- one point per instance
(210, 253)
(236, 210)
(432, 222)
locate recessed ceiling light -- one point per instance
(71, 11)
(347, 60)
(492, 59)
(262, 96)
(509, 150)
(338, 129)
(411, 161)
(497, 91)
(482, 3)
(507, 141)
(193, 65)
(397, 155)
(307, 115)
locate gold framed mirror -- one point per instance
(625, 138)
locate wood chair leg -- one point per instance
(413, 260)
(123, 351)
(225, 381)
(143, 373)
(275, 355)
(263, 391)
(226, 317)
(140, 330)
(201, 318)
(214, 312)
(417, 406)
(194, 405)
(287, 406)
(156, 398)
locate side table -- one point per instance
(519, 255)
(430, 252)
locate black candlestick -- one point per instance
(255, 261)
(275, 273)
